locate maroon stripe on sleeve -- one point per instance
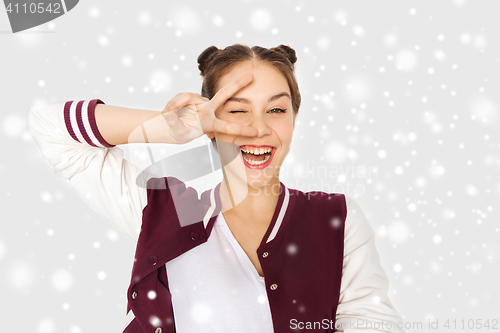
(81, 127)
(67, 120)
(93, 124)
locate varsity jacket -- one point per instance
(335, 279)
(304, 287)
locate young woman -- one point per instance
(249, 255)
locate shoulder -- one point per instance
(161, 190)
(318, 205)
(169, 200)
(319, 198)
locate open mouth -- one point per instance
(256, 157)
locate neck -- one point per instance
(249, 203)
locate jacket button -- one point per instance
(158, 330)
(265, 254)
(153, 260)
(274, 286)
(195, 235)
(134, 295)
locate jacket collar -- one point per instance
(284, 205)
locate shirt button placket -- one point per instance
(274, 285)
(158, 330)
(134, 295)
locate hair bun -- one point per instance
(206, 57)
(287, 51)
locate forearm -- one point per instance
(120, 125)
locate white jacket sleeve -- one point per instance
(364, 304)
(67, 136)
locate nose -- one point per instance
(262, 127)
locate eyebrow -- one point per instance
(246, 101)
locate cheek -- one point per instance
(284, 129)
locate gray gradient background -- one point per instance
(403, 93)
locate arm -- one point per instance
(78, 139)
(119, 125)
(73, 136)
(363, 297)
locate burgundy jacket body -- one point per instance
(302, 284)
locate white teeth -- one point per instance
(257, 151)
(252, 162)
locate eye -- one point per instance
(275, 110)
(278, 110)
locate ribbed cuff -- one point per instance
(79, 118)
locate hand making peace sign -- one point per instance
(189, 115)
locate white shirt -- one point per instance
(237, 295)
(107, 182)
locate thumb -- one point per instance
(171, 118)
(173, 122)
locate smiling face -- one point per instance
(266, 105)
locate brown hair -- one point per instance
(214, 63)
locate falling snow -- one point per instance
(399, 92)
(261, 19)
(62, 280)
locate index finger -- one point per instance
(229, 90)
